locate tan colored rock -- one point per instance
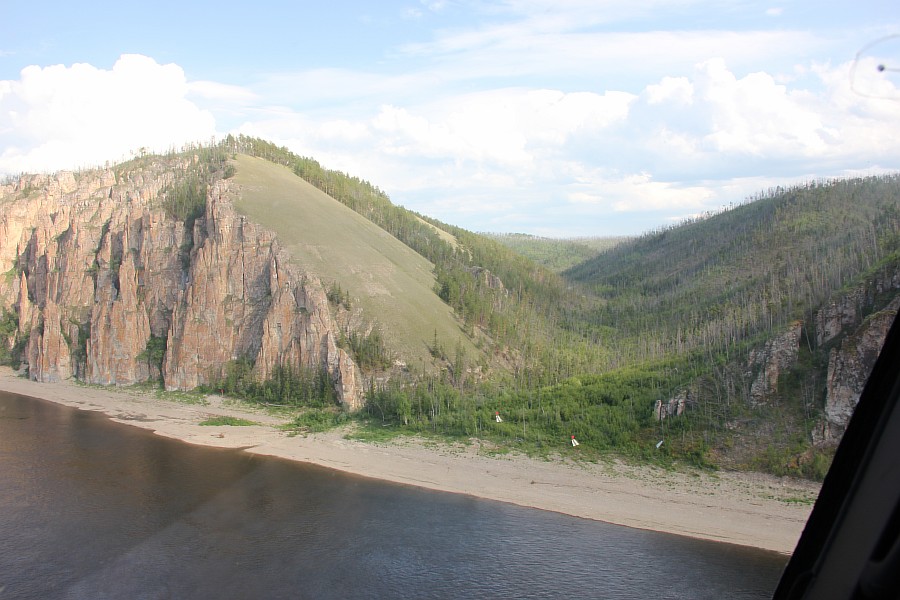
(49, 359)
(778, 355)
(847, 311)
(120, 329)
(97, 253)
(849, 367)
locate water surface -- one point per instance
(90, 508)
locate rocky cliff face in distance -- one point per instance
(849, 366)
(95, 268)
(768, 363)
(852, 331)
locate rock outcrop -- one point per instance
(768, 363)
(96, 269)
(673, 407)
(848, 310)
(849, 366)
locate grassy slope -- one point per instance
(390, 282)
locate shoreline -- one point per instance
(748, 509)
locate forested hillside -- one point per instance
(718, 282)
(495, 291)
(667, 319)
(659, 347)
(709, 295)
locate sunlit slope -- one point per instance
(392, 284)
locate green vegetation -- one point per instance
(10, 346)
(79, 350)
(286, 386)
(606, 413)
(338, 297)
(154, 353)
(184, 199)
(714, 283)
(682, 306)
(318, 420)
(367, 349)
(364, 267)
(556, 254)
(491, 288)
(227, 420)
(583, 337)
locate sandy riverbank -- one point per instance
(740, 508)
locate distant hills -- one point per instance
(557, 254)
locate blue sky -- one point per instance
(557, 117)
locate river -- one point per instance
(90, 508)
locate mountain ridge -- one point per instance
(248, 268)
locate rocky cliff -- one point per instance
(849, 365)
(98, 271)
(850, 330)
(768, 363)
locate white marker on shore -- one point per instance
(659, 443)
(574, 441)
(497, 416)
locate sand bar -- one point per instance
(740, 508)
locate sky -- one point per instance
(557, 118)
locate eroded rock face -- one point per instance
(96, 267)
(674, 407)
(48, 352)
(777, 356)
(860, 334)
(849, 366)
(849, 310)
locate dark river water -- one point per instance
(95, 509)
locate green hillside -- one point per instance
(391, 284)
(591, 351)
(742, 274)
(557, 254)
(697, 298)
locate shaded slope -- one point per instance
(392, 284)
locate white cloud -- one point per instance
(549, 48)
(639, 192)
(756, 116)
(522, 158)
(541, 114)
(221, 92)
(678, 90)
(512, 127)
(57, 115)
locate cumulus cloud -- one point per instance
(519, 157)
(639, 192)
(511, 127)
(53, 115)
(523, 158)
